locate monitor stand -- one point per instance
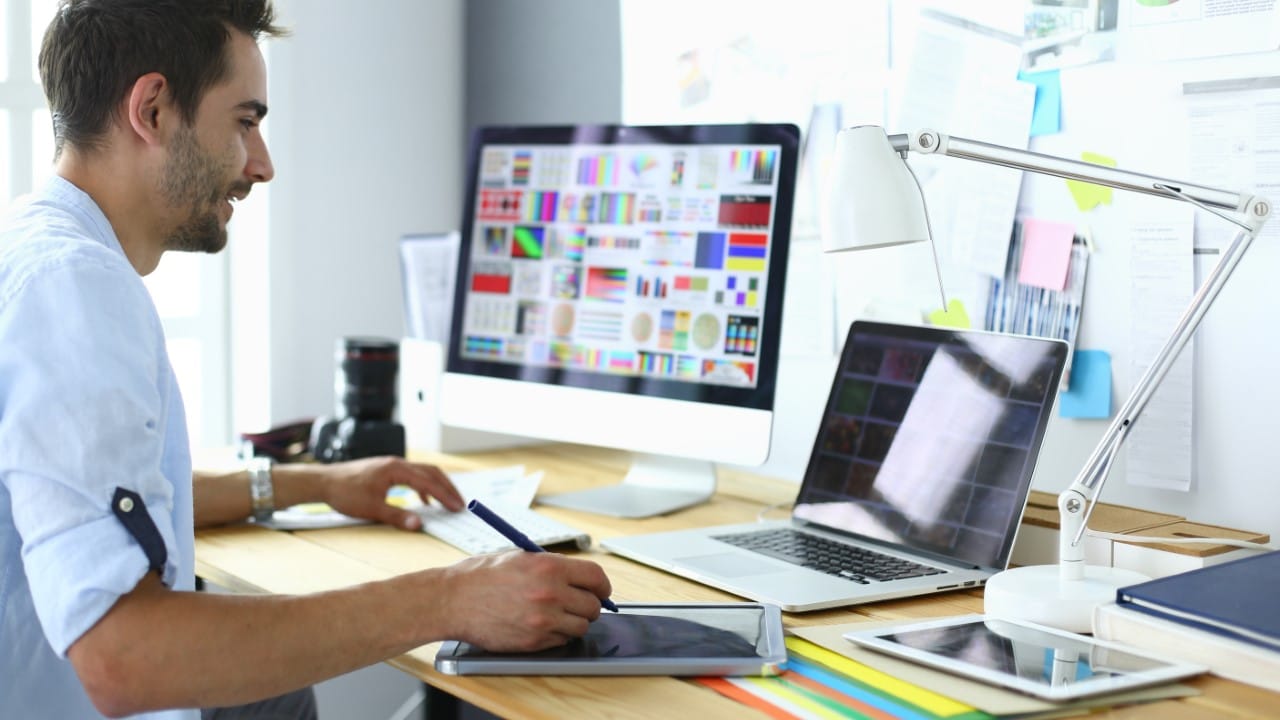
(655, 485)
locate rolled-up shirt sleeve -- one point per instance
(84, 414)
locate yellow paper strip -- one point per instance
(914, 694)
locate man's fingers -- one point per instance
(590, 577)
(431, 482)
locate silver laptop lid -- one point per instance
(930, 437)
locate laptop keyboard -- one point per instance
(833, 558)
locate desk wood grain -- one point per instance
(253, 559)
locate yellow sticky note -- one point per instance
(1087, 195)
(954, 316)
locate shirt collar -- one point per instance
(60, 191)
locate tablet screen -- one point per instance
(1032, 656)
(658, 632)
(677, 639)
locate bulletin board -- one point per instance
(1121, 75)
(1137, 111)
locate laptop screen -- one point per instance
(930, 438)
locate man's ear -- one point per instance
(149, 108)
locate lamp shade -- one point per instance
(873, 201)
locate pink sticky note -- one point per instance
(1046, 253)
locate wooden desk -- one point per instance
(253, 559)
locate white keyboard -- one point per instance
(471, 535)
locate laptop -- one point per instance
(916, 484)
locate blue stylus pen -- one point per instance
(521, 540)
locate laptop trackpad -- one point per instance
(727, 564)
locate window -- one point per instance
(190, 291)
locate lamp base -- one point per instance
(1038, 594)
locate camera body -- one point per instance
(365, 387)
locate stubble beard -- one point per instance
(192, 178)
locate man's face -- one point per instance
(219, 157)
(202, 181)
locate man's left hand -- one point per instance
(359, 488)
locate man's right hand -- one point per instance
(521, 601)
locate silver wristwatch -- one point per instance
(262, 492)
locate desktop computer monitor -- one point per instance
(622, 287)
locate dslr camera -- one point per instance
(365, 392)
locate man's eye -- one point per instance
(249, 124)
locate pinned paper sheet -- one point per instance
(954, 316)
(1046, 253)
(1089, 394)
(1087, 195)
(1046, 115)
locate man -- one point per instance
(156, 107)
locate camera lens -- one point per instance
(367, 370)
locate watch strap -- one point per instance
(261, 488)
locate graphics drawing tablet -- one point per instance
(646, 639)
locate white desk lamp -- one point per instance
(875, 202)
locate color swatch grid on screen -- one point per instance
(644, 259)
(754, 166)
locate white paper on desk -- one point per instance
(1163, 276)
(309, 516)
(963, 82)
(500, 486)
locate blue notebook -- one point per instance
(1236, 599)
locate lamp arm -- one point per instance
(1089, 481)
(935, 143)
(1075, 504)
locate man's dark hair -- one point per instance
(94, 50)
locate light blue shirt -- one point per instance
(88, 403)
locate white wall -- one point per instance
(367, 138)
(371, 105)
(549, 62)
(1113, 109)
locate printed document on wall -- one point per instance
(1234, 143)
(1163, 281)
(963, 82)
(1174, 30)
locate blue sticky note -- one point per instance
(1046, 117)
(1089, 394)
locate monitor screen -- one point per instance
(641, 260)
(614, 264)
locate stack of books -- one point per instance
(1222, 616)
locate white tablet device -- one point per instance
(657, 639)
(1048, 663)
